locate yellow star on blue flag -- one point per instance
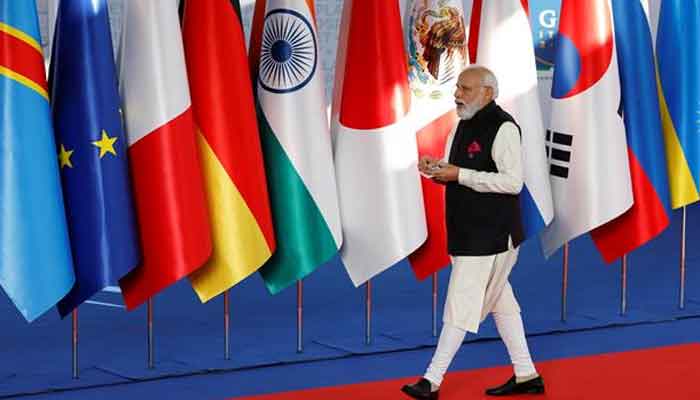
(96, 192)
(106, 144)
(64, 157)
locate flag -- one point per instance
(92, 150)
(375, 148)
(678, 63)
(437, 53)
(296, 140)
(168, 184)
(474, 27)
(586, 145)
(229, 146)
(36, 267)
(507, 21)
(649, 215)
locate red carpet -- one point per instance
(661, 373)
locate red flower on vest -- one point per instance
(473, 148)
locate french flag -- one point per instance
(167, 177)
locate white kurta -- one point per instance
(479, 284)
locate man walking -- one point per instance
(483, 172)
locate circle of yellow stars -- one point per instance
(105, 145)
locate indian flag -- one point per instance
(296, 141)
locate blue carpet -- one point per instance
(189, 337)
(383, 366)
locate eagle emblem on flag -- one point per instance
(437, 47)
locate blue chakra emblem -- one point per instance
(288, 54)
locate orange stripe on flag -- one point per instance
(312, 8)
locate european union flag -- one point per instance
(92, 150)
(36, 269)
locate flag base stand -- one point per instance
(300, 315)
(564, 281)
(150, 363)
(368, 312)
(74, 341)
(227, 326)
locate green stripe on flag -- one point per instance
(304, 240)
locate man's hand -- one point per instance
(428, 164)
(446, 173)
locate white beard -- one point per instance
(467, 111)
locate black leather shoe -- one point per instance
(533, 386)
(420, 390)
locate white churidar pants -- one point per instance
(479, 286)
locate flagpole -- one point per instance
(74, 340)
(623, 293)
(150, 333)
(300, 315)
(227, 325)
(368, 312)
(564, 281)
(681, 304)
(53, 13)
(435, 290)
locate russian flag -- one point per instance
(649, 215)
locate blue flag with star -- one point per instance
(92, 150)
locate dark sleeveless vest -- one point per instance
(480, 224)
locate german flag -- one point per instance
(229, 145)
